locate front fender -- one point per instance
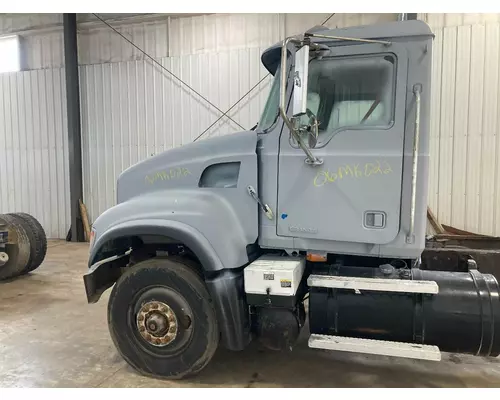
(203, 221)
(216, 224)
(186, 234)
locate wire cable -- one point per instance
(171, 73)
(328, 19)
(242, 97)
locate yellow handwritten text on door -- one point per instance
(352, 171)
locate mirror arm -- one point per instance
(311, 159)
(284, 71)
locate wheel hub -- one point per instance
(157, 323)
(4, 257)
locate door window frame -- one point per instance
(363, 53)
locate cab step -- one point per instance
(377, 284)
(379, 347)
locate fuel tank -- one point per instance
(463, 317)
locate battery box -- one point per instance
(273, 277)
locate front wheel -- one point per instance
(161, 319)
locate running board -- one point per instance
(379, 347)
(377, 284)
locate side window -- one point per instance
(352, 93)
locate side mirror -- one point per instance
(299, 102)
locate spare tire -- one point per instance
(37, 238)
(18, 249)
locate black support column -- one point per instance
(74, 130)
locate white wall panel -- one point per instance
(298, 23)
(465, 128)
(42, 38)
(223, 32)
(457, 19)
(99, 44)
(33, 148)
(162, 36)
(96, 45)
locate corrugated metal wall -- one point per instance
(162, 36)
(34, 174)
(465, 121)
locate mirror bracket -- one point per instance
(316, 162)
(311, 158)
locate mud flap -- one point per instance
(102, 275)
(228, 295)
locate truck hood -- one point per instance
(182, 167)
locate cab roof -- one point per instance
(386, 31)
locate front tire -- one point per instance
(161, 319)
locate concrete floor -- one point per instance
(50, 337)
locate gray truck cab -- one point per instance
(223, 239)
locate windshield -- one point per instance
(271, 110)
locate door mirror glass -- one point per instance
(299, 101)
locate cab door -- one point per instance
(359, 97)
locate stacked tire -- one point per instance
(27, 245)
